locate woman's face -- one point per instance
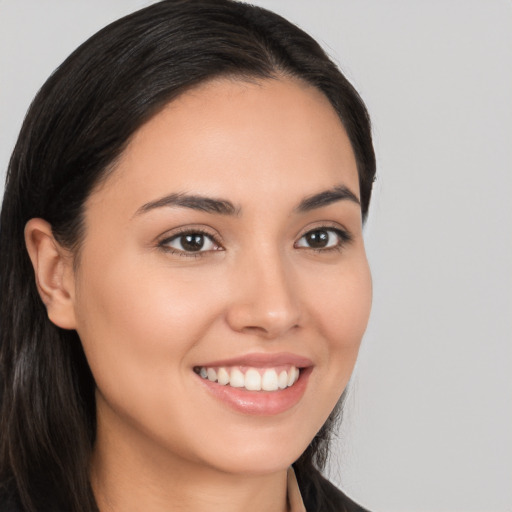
(224, 251)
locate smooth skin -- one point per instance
(148, 309)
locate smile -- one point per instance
(251, 378)
(257, 384)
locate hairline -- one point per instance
(277, 72)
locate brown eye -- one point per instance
(317, 239)
(191, 242)
(194, 242)
(323, 238)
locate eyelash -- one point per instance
(163, 244)
(344, 238)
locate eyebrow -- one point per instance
(327, 197)
(225, 207)
(201, 203)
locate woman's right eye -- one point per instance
(190, 242)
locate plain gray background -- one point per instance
(428, 423)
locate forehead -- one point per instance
(238, 139)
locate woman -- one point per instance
(188, 190)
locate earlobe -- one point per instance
(53, 268)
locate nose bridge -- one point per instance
(265, 301)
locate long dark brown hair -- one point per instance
(77, 126)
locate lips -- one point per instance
(261, 384)
(251, 378)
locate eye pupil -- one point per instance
(192, 242)
(317, 239)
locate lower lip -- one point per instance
(261, 403)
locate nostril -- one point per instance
(270, 331)
(266, 305)
(254, 329)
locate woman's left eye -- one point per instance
(323, 238)
(190, 242)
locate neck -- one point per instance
(131, 472)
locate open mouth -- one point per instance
(251, 378)
(258, 383)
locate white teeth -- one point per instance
(291, 377)
(237, 379)
(269, 380)
(283, 380)
(222, 376)
(254, 379)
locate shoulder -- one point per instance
(320, 495)
(338, 498)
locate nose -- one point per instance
(264, 302)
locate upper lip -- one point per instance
(262, 360)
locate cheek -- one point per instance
(343, 305)
(134, 300)
(139, 325)
(348, 310)
(140, 336)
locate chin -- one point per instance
(263, 451)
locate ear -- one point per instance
(53, 267)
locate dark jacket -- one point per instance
(318, 494)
